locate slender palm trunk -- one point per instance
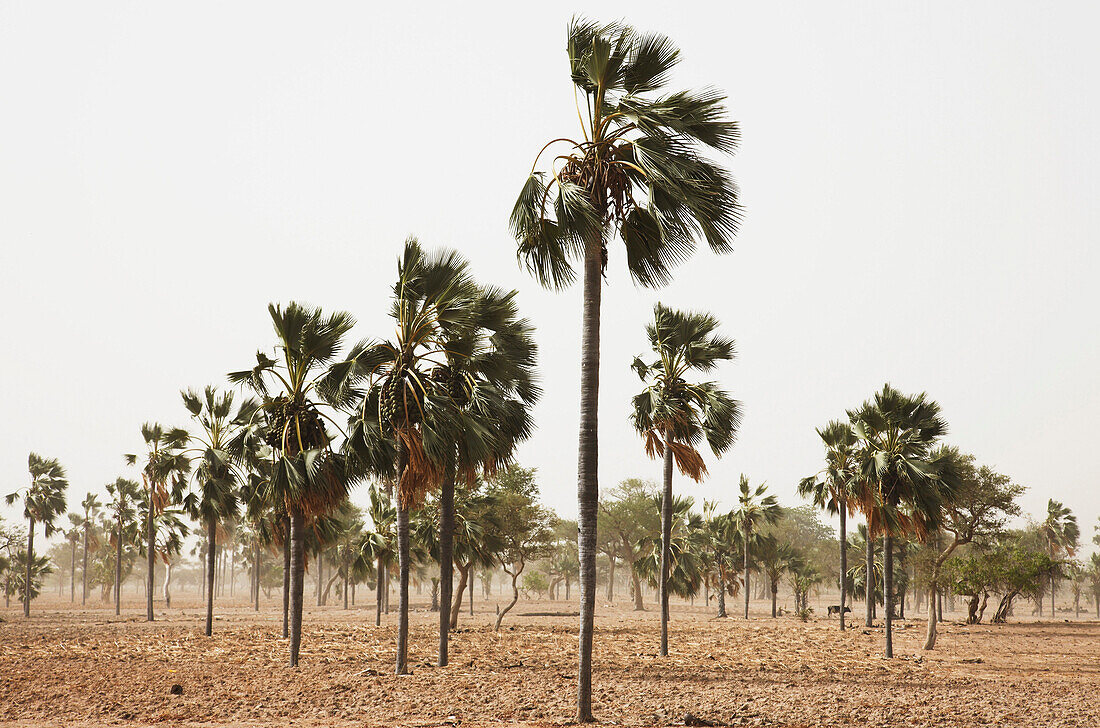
(869, 578)
(403, 589)
(118, 568)
(446, 559)
(588, 490)
(843, 561)
(888, 591)
(27, 575)
(297, 573)
(721, 592)
(211, 557)
(150, 560)
(286, 577)
(666, 543)
(72, 573)
(256, 567)
(84, 567)
(746, 570)
(380, 575)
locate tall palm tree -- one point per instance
(1061, 532)
(90, 506)
(675, 416)
(754, 511)
(833, 488)
(43, 501)
(124, 494)
(643, 168)
(164, 466)
(217, 476)
(449, 396)
(297, 388)
(896, 452)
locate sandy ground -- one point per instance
(79, 668)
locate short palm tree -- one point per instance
(297, 387)
(774, 558)
(217, 477)
(72, 535)
(755, 509)
(90, 506)
(43, 501)
(1061, 532)
(124, 495)
(725, 551)
(169, 532)
(642, 168)
(163, 468)
(896, 453)
(676, 416)
(381, 542)
(833, 488)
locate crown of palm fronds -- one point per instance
(642, 164)
(905, 478)
(453, 388)
(44, 499)
(835, 486)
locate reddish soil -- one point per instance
(80, 668)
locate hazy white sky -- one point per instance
(920, 184)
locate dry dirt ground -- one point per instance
(86, 667)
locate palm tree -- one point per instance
(754, 510)
(217, 478)
(642, 168)
(169, 531)
(1060, 530)
(774, 558)
(164, 464)
(307, 476)
(449, 396)
(72, 535)
(898, 434)
(687, 562)
(43, 501)
(381, 541)
(833, 488)
(725, 550)
(675, 416)
(124, 495)
(90, 505)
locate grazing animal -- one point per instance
(835, 609)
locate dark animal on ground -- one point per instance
(835, 609)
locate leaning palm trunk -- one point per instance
(588, 489)
(297, 574)
(456, 608)
(666, 544)
(27, 576)
(402, 666)
(150, 561)
(211, 557)
(888, 592)
(446, 558)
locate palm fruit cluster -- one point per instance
(456, 383)
(286, 418)
(401, 402)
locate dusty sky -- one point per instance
(920, 184)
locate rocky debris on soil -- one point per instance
(176, 689)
